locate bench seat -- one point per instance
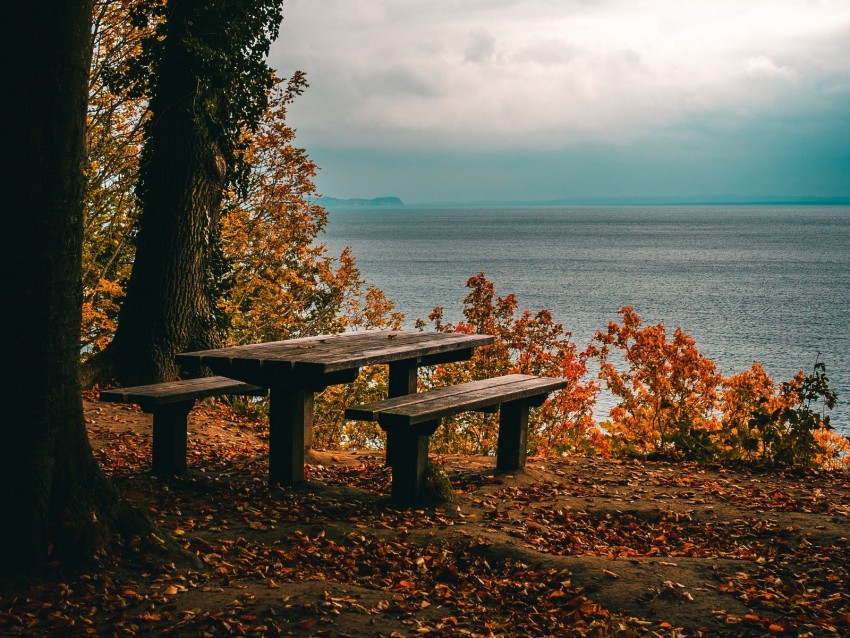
(170, 403)
(410, 420)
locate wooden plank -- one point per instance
(435, 404)
(318, 348)
(463, 354)
(370, 411)
(442, 407)
(248, 371)
(247, 360)
(369, 340)
(397, 351)
(248, 348)
(319, 355)
(283, 350)
(345, 346)
(346, 353)
(359, 348)
(255, 361)
(149, 396)
(422, 344)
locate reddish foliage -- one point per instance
(525, 343)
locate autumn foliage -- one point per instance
(673, 402)
(113, 143)
(275, 280)
(780, 423)
(525, 343)
(667, 389)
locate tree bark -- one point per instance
(56, 504)
(169, 303)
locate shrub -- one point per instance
(667, 389)
(524, 343)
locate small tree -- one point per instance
(667, 389)
(278, 281)
(780, 424)
(526, 343)
(742, 395)
(789, 424)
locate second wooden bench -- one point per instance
(410, 420)
(170, 403)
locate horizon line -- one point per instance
(706, 200)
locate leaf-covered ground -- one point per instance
(574, 546)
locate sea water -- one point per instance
(749, 283)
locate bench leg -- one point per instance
(410, 462)
(169, 437)
(513, 436)
(290, 415)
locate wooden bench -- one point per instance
(170, 404)
(410, 420)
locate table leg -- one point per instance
(411, 450)
(402, 380)
(290, 414)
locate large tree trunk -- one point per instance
(56, 504)
(169, 307)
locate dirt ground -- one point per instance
(572, 546)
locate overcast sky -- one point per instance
(458, 100)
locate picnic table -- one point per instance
(295, 369)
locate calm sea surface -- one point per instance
(750, 283)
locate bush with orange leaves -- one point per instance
(781, 425)
(667, 389)
(673, 402)
(525, 343)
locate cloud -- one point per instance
(763, 66)
(779, 156)
(398, 82)
(499, 74)
(481, 47)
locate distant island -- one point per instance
(334, 202)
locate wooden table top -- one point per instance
(333, 353)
